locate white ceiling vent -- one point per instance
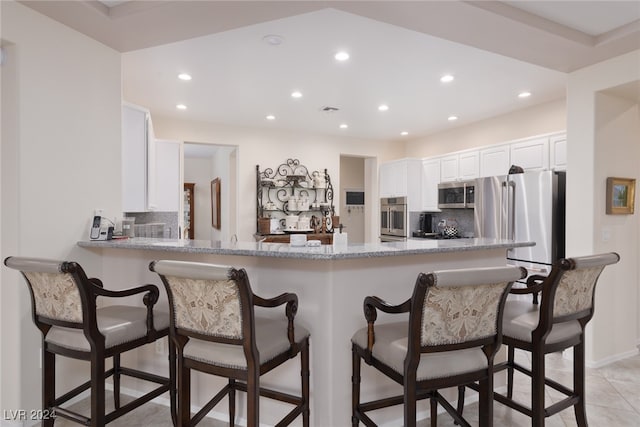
(329, 109)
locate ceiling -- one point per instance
(398, 52)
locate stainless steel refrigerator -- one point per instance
(528, 206)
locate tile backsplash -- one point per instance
(464, 218)
(169, 219)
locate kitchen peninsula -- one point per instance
(331, 283)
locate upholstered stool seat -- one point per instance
(271, 341)
(119, 324)
(391, 349)
(522, 317)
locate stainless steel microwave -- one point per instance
(456, 195)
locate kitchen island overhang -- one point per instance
(331, 284)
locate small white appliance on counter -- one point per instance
(101, 228)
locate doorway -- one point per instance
(355, 214)
(213, 216)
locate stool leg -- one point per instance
(48, 384)
(97, 388)
(537, 388)
(232, 402)
(486, 401)
(578, 384)
(173, 381)
(434, 410)
(253, 396)
(355, 385)
(510, 363)
(409, 400)
(304, 362)
(184, 394)
(116, 381)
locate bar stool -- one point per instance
(451, 338)
(557, 323)
(215, 331)
(64, 309)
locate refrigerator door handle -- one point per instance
(512, 211)
(504, 207)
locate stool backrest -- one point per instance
(54, 287)
(464, 307)
(205, 299)
(572, 284)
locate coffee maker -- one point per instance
(426, 223)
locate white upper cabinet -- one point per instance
(449, 168)
(495, 160)
(469, 165)
(151, 169)
(401, 178)
(135, 147)
(532, 154)
(168, 177)
(558, 152)
(430, 181)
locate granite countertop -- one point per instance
(284, 250)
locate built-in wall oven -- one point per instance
(393, 219)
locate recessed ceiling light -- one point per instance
(273, 39)
(452, 118)
(383, 107)
(184, 76)
(296, 94)
(270, 117)
(524, 94)
(446, 78)
(181, 107)
(404, 133)
(341, 56)
(344, 126)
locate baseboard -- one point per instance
(611, 359)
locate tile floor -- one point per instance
(613, 400)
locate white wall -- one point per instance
(61, 157)
(270, 148)
(540, 119)
(602, 141)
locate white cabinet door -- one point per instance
(532, 154)
(168, 176)
(401, 178)
(449, 168)
(387, 180)
(495, 160)
(469, 165)
(134, 159)
(558, 152)
(430, 181)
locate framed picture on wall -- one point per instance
(620, 195)
(215, 203)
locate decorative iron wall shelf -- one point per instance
(291, 189)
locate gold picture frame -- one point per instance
(215, 203)
(620, 195)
